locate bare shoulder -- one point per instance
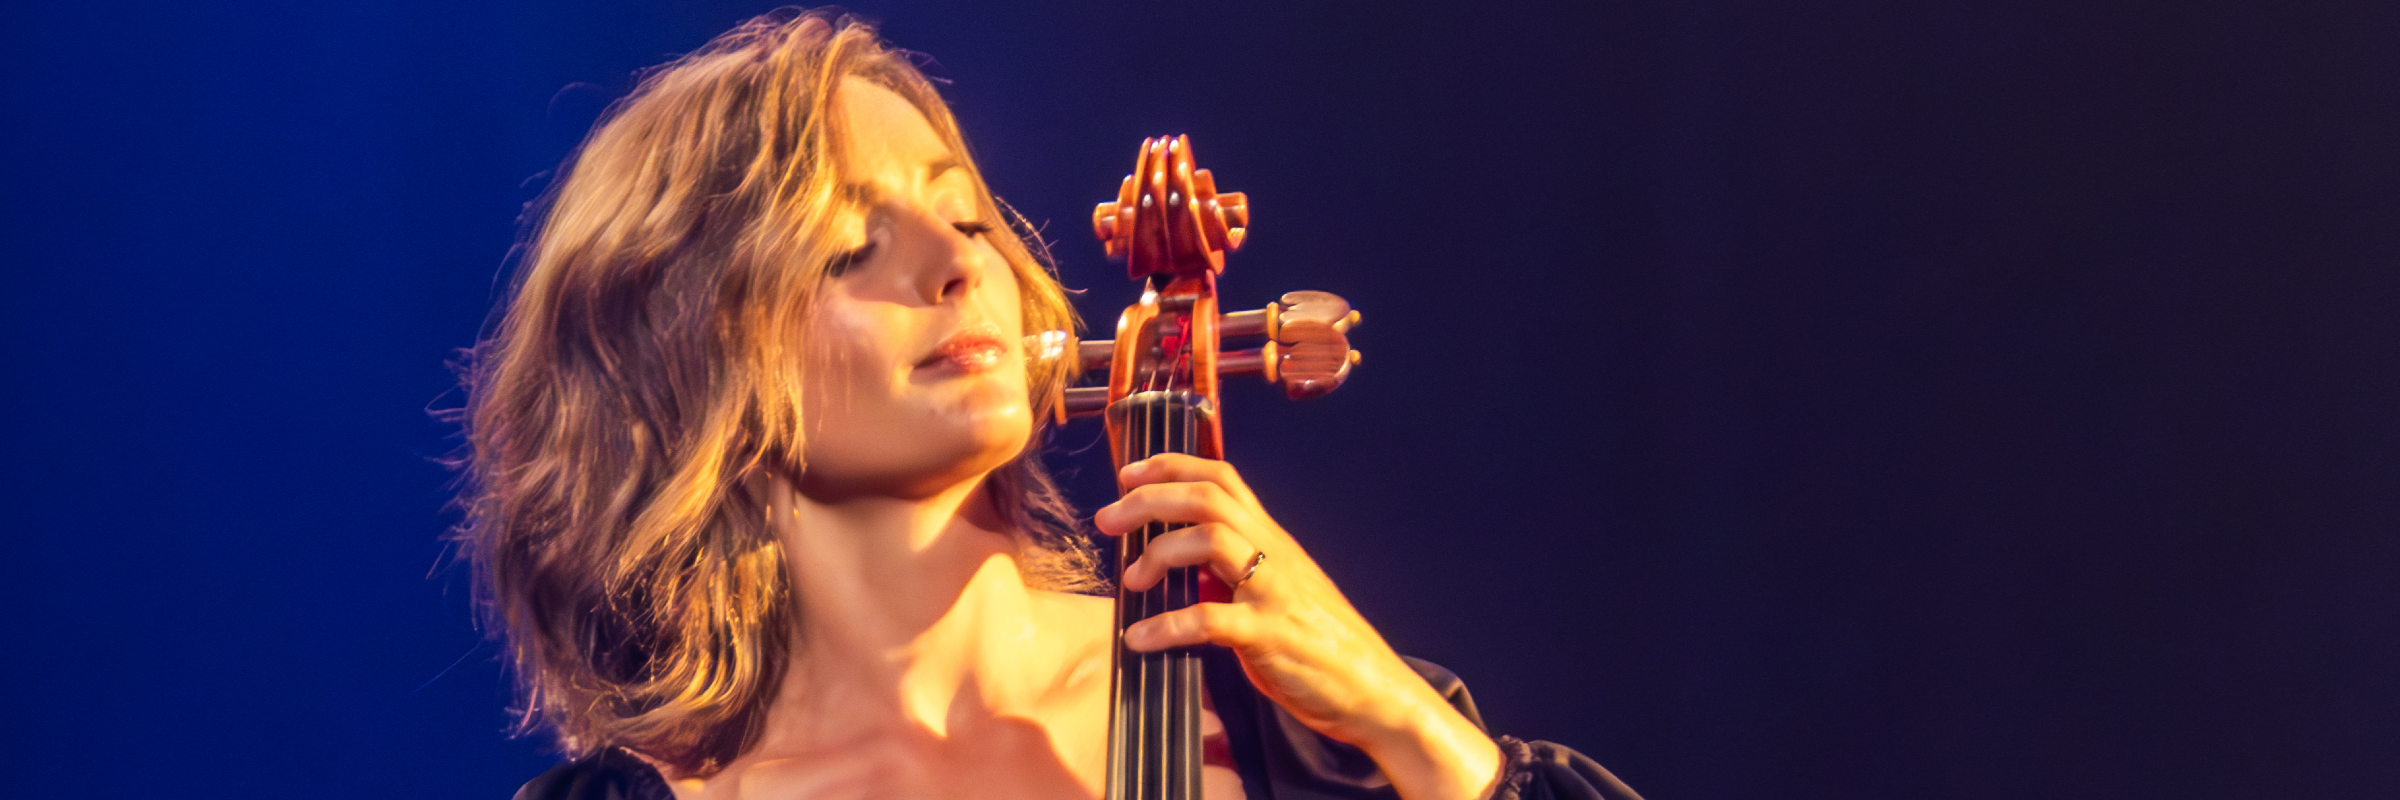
(1086, 611)
(1082, 626)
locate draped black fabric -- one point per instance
(1269, 747)
(612, 775)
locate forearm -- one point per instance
(1432, 752)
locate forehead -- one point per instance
(886, 140)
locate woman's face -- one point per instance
(915, 372)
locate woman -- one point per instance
(753, 501)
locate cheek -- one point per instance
(1005, 300)
(841, 354)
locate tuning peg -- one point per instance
(1325, 307)
(1236, 208)
(1049, 347)
(1221, 215)
(1082, 401)
(1104, 222)
(1255, 322)
(1112, 221)
(1265, 361)
(1315, 359)
(1089, 354)
(1308, 344)
(1313, 329)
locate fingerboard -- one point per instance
(1154, 722)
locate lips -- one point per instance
(972, 350)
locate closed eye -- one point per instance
(844, 261)
(973, 227)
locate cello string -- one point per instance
(1148, 609)
(1164, 671)
(1171, 362)
(1120, 766)
(1186, 725)
(1142, 660)
(1179, 768)
(1157, 665)
(1135, 685)
(1176, 769)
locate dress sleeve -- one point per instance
(1299, 764)
(610, 775)
(1544, 771)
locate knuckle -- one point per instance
(1206, 618)
(1166, 466)
(1219, 620)
(1192, 495)
(1221, 537)
(1175, 546)
(1148, 501)
(1141, 496)
(1184, 626)
(1216, 496)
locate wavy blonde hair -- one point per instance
(647, 368)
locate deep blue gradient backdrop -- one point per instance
(1869, 399)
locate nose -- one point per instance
(948, 265)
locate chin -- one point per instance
(993, 416)
(921, 454)
(998, 436)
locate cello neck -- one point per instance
(1154, 722)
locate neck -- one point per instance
(912, 613)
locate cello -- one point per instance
(1172, 228)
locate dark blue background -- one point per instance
(1857, 399)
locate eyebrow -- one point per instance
(869, 194)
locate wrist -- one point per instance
(1434, 753)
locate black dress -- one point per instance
(1277, 757)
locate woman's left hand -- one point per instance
(1299, 639)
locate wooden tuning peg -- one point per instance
(1315, 358)
(1308, 343)
(1112, 221)
(1235, 208)
(1324, 307)
(1313, 331)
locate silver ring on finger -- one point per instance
(1252, 572)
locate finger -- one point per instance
(1167, 468)
(1182, 468)
(1226, 624)
(1187, 503)
(1216, 545)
